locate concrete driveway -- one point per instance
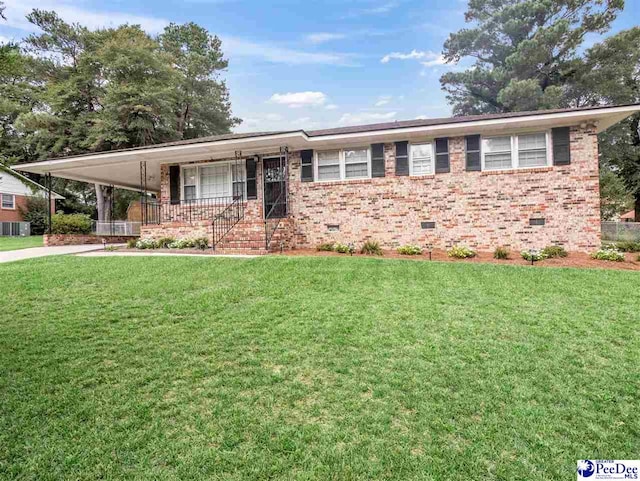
(18, 255)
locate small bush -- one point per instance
(461, 252)
(371, 248)
(533, 255)
(554, 251)
(70, 224)
(111, 248)
(201, 243)
(326, 247)
(410, 250)
(146, 244)
(608, 255)
(501, 253)
(342, 248)
(131, 243)
(627, 246)
(182, 244)
(164, 242)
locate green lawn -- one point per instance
(15, 243)
(314, 369)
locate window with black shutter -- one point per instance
(472, 149)
(442, 155)
(307, 165)
(561, 146)
(174, 184)
(252, 186)
(377, 160)
(402, 158)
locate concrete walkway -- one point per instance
(33, 252)
(103, 253)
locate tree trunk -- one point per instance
(104, 195)
(637, 206)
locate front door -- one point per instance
(275, 187)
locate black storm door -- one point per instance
(275, 187)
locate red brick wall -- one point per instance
(79, 239)
(479, 209)
(9, 215)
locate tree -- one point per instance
(610, 74)
(202, 105)
(525, 52)
(2, 7)
(614, 198)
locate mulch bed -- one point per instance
(574, 259)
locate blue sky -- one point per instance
(305, 64)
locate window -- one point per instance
(329, 165)
(356, 164)
(421, 159)
(189, 178)
(497, 153)
(8, 201)
(532, 150)
(208, 181)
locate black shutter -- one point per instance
(442, 155)
(561, 147)
(252, 188)
(174, 183)
(377, 160)
(307, 165)
(402, 158)
(472, 147)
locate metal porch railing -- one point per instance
(225, 220)
(116, 228)
(188, 211)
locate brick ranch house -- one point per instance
(522, 180)
(15, 190)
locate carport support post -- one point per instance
(48, 184)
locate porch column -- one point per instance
(47, 178)
(143, 192)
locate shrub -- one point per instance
(146, 244)
(501, 253)
(131, 243)
(182, 244)
(608, 255)
(201, 243)
(36, 213)
(627, 246)
(461, 252)
(371, 248)
(533, 255)
(164, 242)
(343, 248)
(410, 250)
(70, 224)
(554, 251)
(327, 247)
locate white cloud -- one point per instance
(331, 107)
(382, 100)
(16, 10)
(377, 10)
(366, 117)
(413, 55)
(434, 62)
(237, 47)
(323, 37)
(299, 99)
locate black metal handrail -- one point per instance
(225, 220)
(189, 211)
(271, 223)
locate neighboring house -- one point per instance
(523, 180)
(628, 216)
(15, 190)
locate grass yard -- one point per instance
(314, 369)
(15, 243)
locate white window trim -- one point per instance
(515, 160)
(197, 166)
(433, 158)
(13, 202)
(342, 164)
